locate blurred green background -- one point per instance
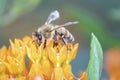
(19, 18)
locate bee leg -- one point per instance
(39, 42)
(55, 40)
(65, 42)
(45, 43)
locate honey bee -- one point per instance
(48, 31)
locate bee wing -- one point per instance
(64, 25)
(69, 23)
(52, 17)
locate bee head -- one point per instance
(36, 35)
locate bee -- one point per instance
(57, 33)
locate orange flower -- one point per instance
(3, 52)
(49, 63)
(83, 76)
(34, 55)
(47, 67)
(112, 64)
(66, 66)
(57, 58)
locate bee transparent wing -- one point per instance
(64, 25)
(52, 17)
(69, 23)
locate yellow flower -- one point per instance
(67, 66)
(34, 55)
(3, 52)
(49, 63)
(57, 58)
(47, 67)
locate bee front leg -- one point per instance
(45, 43)
(55, 39)
(39, 42)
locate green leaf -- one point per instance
(96, 60)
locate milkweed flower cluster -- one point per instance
(24, 60)
(112, 63)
